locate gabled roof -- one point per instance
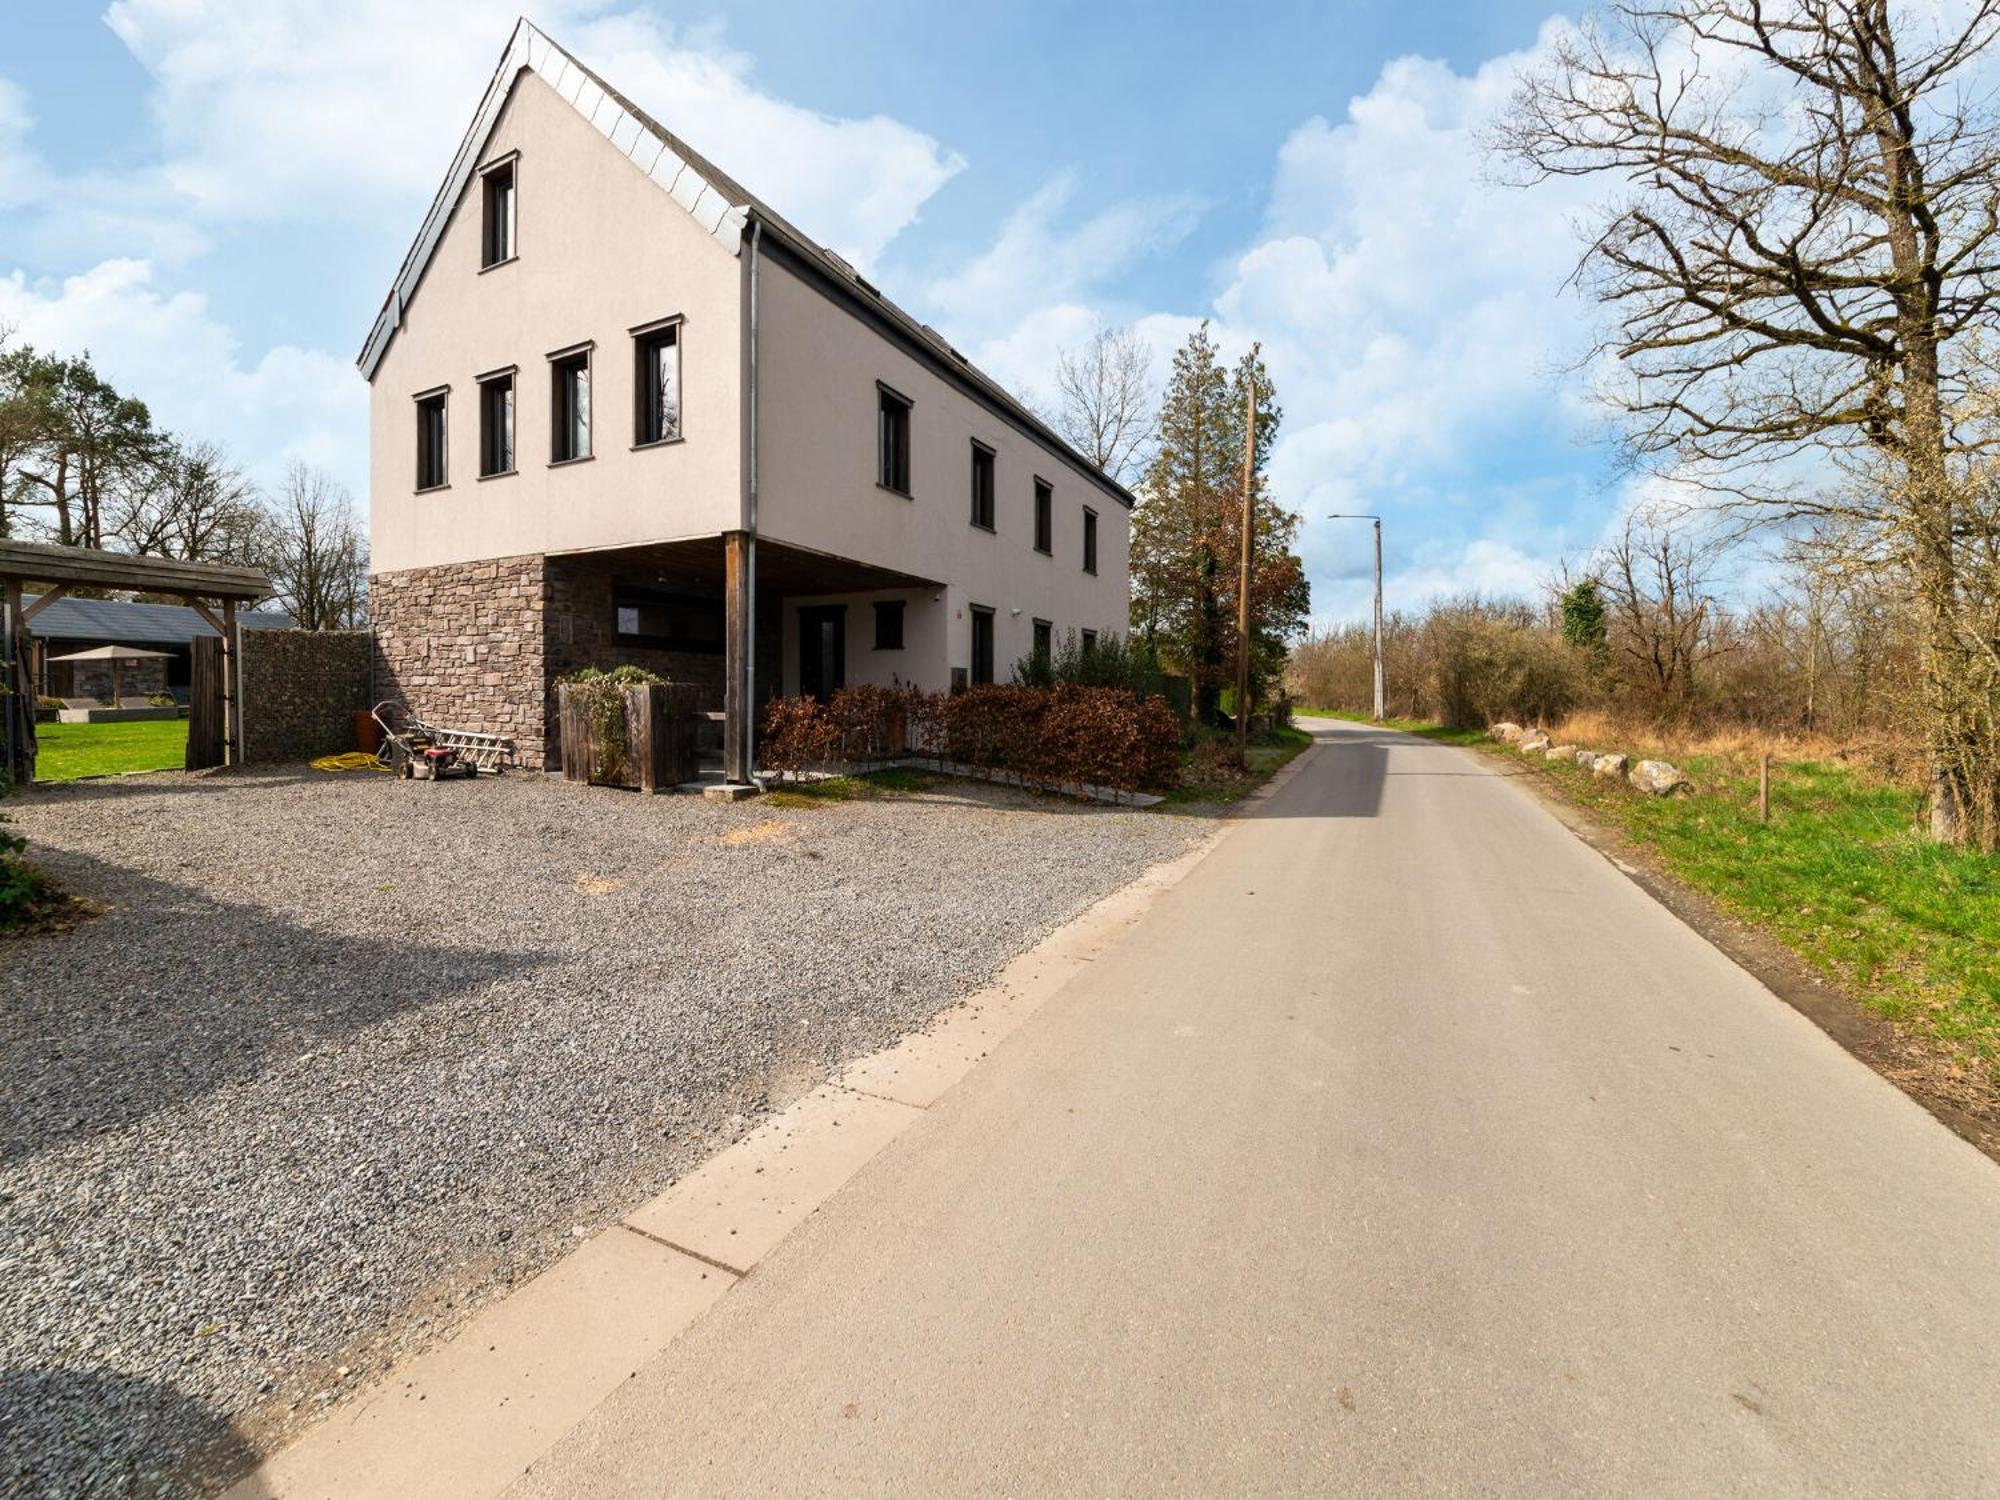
(720, 205)
(72, 619)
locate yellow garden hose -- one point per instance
(353, 760)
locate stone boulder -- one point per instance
(1659, 778)
(1505, 732)
(1610, 767)
(1532, 741)
(1560, 752)
(1586, 758)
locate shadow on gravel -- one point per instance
(47, 1417)
(103, 1026)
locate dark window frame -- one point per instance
(984, 483)
(636, 596)
(433, 448)
(894, 417)
(561, 363)
(1089, 541)
(981, 671)
(1045, 517)
(1088, 642)
(499, 243)
(1043, 641)
(889, 621)
(488, 383)
(646, 338)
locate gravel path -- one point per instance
(348, 1055)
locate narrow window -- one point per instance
(1045, 516)
(431, 471)
(893, 441)
(496, 241)
(1089, 540)
(888, 624)
(569, 407)
(657, 380)
(1089, 641)
(982, 645)
(982, 485)
(496, 425)
(1044, 641)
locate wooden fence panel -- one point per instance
(204, 744)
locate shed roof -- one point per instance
(720, 205)
(111, 620)
(89, 567)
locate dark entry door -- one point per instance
(822, 650)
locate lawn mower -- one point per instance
(421, 751)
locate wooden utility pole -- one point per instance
(1243, 567)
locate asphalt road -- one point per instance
(1404, 1147)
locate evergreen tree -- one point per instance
(1186, 530)
(1583, 617)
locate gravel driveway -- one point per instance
(347, 1055)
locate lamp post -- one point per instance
(1349, 516)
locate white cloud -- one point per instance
(298, 109)
(190, 370)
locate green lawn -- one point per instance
(1207, 776)
(1843, 875)
(68, 751)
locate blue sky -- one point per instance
(213, 198)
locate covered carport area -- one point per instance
(212, 590)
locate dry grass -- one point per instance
(1734, 749)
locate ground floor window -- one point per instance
(1044, 640)
(982, 645)
(888, 624)
(1089, 641)
(668, 622)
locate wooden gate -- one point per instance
(204, 747)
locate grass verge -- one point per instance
(67, 752)
(1208, 774)
(1843, 876)
(890, 782)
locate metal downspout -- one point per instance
(750, 524)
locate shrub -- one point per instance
(161, 700)
(1112, 661)
(45, 701)
(1051, 737)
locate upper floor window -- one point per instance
(656, 381)
(496, 423)
(496, 195)
(982, 485)
(892, 440)
(1045, 516)
(1089, 540)
(431, 448)
(569, 405)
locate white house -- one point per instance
(622, 411)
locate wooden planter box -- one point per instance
(659, 750)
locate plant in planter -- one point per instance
(626, 727)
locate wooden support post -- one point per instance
(1764, 787)
(20, 723)
(736, 753)
(232, 688)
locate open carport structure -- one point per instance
(212, 590)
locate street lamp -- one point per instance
(1349, 516)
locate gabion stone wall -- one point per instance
(300, 690)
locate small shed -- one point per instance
(212, 590)
(71, 624)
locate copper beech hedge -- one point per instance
(1053, 738)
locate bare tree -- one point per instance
(1105, 403)
(316, 551)
(1664, 620)
(1807, 231)
(194, 504)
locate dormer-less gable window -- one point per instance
(496, 196)
(656, 383)
(569, 405)
(431, 447)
